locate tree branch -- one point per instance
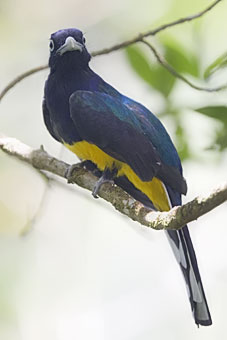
(138, 38)
(155, 31)
(21, 77)
(173, 219)
(171, 70)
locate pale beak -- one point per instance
(70, 45)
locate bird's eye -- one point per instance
(84, 40)
(51, 45)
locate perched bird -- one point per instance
(122, 141)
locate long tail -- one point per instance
(181, 244)
(184, 252)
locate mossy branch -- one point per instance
(173, 219)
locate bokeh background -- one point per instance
(70, 266)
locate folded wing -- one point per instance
(105, 121)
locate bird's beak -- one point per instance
(70, 45)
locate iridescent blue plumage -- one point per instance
(80, 108)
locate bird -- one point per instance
(121, 141)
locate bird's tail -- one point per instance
(181, 244)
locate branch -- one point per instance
(171, 70)
(173, 219)
(21, 77)
(155, 31)
(138, 38)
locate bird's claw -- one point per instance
(69, 172)
(98, 185)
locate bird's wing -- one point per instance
(109, 124)
(47, 121)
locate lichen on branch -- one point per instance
(176, 218)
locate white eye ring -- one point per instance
(84, 40)
(51, 45)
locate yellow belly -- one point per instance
(154, 189)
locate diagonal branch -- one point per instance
(155, 31)
(21, 77)
(138, 38)
(173, 219)
(171, 70)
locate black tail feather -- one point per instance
(181, 244)
(182, 247)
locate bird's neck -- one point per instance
(75, 77)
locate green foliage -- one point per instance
(185, 62)
(219, 63)
(180, 58)
(217, 112)
(152, 73)
(183, 147)
(221, 138)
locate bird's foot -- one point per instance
(107, 177)
(71, 169)
(98, 185)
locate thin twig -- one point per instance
(173, 219)
(155, 31)
(21, 77)
(170, 69)
(124, 44)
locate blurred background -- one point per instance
(71, 267)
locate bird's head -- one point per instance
(67, 47)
